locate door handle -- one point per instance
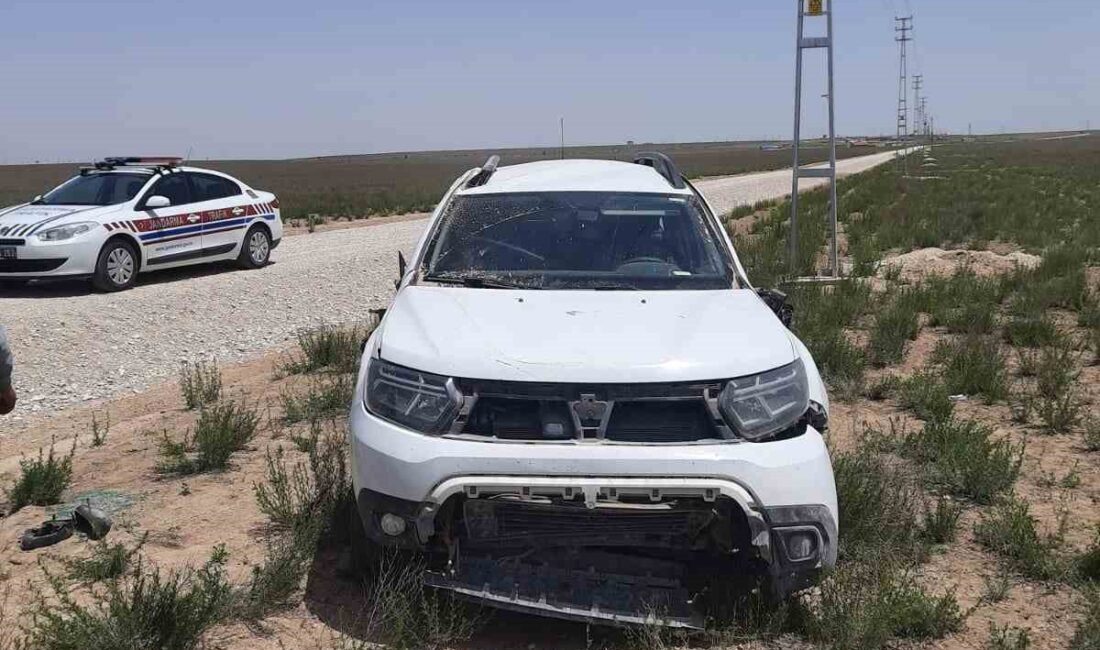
(192, 218)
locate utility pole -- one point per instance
(813, 8)
(918, 81)
(562, 150)
(902, 27)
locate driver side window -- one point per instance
(175, 188)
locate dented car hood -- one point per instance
(583, 336)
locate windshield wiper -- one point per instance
(612, 286)
(477, 282)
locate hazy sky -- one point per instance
(278, 79)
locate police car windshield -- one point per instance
(108, 188)
(577, 240)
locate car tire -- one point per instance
(117, 266)
(256, 248)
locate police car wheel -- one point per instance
(117, 266)
(256, 249)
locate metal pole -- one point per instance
(792, 250)
(833, 255)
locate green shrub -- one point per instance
(41, 481)
(222, 429)
(926, 396)
(1087, 634)
(1088, 562)
(1009, 531)
(960, 456)
(106, 561)
(147, 609)
(100, 428)
(200, 383)
(1057, 402)
(329, 347)
(973, 365)
(941, 522)
(325, 396)
(1008, 638)
(1030, 330)
(868, 604)
(878, 504)
(275, 581)
(894, 326)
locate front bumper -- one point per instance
(783, 489)
(37, 259)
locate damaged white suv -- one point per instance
(578, 406)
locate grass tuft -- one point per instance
(973, 365)
(200, 383)
(1010, 531)
(927, 397)
(328, 347)
(325, 396)
(961, 456)
(1008, 638)
(150, 608)
(894, 326)
(42, 480)
(941, 523)
(222, 429)
(106, 561)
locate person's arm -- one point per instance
(7, 362)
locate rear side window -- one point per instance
(209, 187)
(174, 187)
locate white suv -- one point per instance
(126, 215)
(578, 406)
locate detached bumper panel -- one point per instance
(585, 585)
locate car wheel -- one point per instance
(117, 267)
(256, 249)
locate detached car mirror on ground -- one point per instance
(578, 406)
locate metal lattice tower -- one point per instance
(918, 81)
(814, 9)
(902, 27)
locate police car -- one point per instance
(127, 215)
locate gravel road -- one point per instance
(74, 346)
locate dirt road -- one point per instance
(73, 346)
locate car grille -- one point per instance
(507, 522)
(627, 413)
(12, 242)
(31, 266)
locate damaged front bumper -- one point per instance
(610, 550)
(603, 532)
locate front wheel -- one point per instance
(256, 249)
(117, 267)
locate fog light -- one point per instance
(801, 545)
(392, 525)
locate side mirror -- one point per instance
(36, 199)
(402, 267)
(777, 301)
(157, 201)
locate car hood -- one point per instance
(23, 219)
(584, 336)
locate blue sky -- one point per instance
(278, 79)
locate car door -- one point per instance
(173, 234)
(224, 210)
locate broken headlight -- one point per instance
(418, 400)
(762, 405)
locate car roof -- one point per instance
(576, 176)
(138, 169)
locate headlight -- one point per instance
(418, 400)
(67, 231)
(758, 406)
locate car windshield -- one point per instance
(577, 240)
(108, 188)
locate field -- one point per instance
(378, 184)
(963, 359)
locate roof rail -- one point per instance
(485, 173)
(663, 165)
(158, 163)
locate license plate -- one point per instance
(8, 252)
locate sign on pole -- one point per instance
(815, 8)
